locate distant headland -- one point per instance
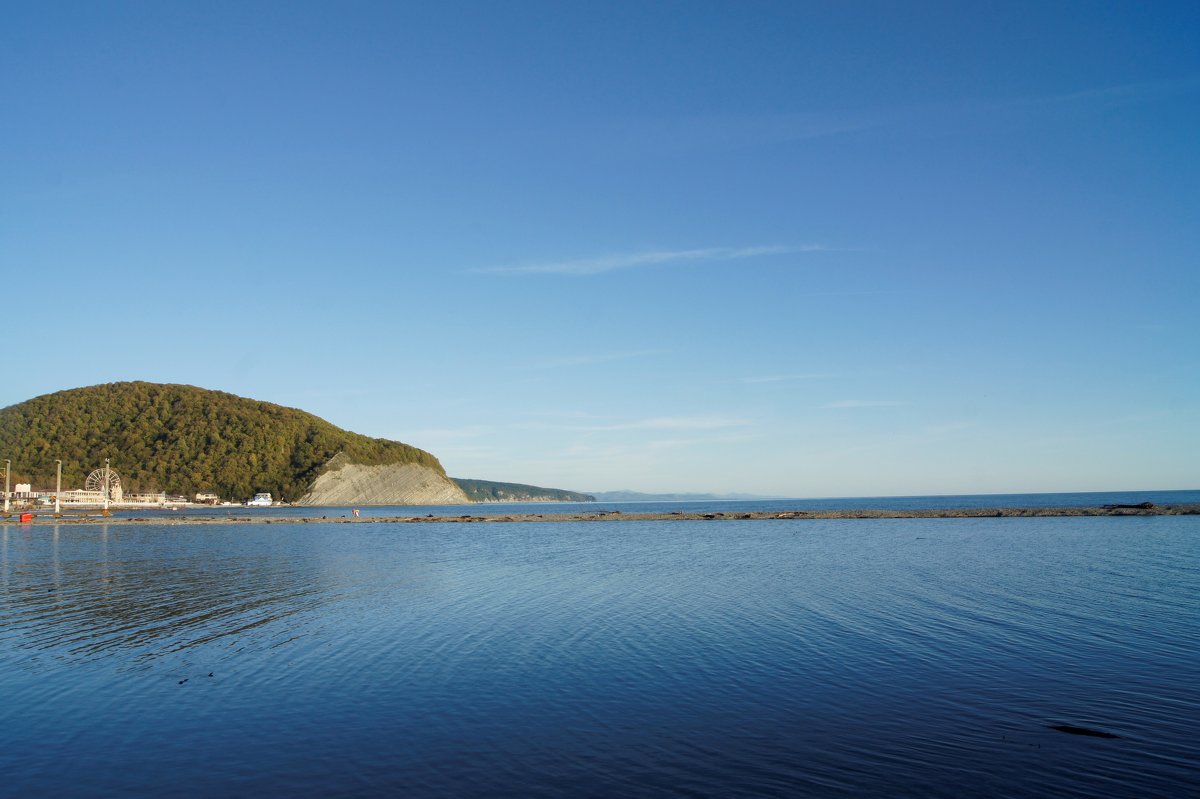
(173, 444)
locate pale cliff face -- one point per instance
(394, 484)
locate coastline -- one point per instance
(619, 516)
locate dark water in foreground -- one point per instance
(769, 658)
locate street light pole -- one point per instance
(106, 485)
(58, 489)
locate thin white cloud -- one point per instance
(700, 422)
(609, 263)
(564, 414)
(641, 447)
(685, 135)
(465, 453)
(1024, 110)
(946, 428)
(850, 293)
(787, 378)
(447, 433)
(587, 451)
(1118, 92)
(666, 137)
(684, 423)
(1133, 418)
(586, 360)
(854, 403)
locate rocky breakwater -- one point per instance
(618, 516)
(387, 484)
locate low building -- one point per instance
(78, 496)
(146, 498)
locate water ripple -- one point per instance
(881, 657)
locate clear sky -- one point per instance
(801, 249)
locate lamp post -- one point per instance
(106, 486)
(58, 489)
(7, 469)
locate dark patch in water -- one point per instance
(1071, 729)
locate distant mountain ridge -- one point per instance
(638, 496)
(489, 491)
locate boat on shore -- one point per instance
(261, 500)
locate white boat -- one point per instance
(260, 501)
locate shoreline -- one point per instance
(619, 516)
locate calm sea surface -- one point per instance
(1076, 500)
(912, 657)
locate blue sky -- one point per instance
(784, 248)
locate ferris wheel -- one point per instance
(95, 482)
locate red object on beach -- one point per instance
(26, 517)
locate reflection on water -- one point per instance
(141, 595)
(889, 657)
(1072, 500)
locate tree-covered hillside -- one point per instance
(182, 440)
(488, 491)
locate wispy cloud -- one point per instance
(454, 446)
(787, 378)
(1025, 110)
(559, 413)
(869, 292)
(854, 403)
(683, 423)
(689, 135)
(699, 422)
(700, 133)
(577, 450)
(609, 263)
(447, 433)
(1133, 418)
(446, 452)
(946, 428)
(1117, 93)
(587, 360)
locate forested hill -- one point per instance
(488, 491)
(182, 440)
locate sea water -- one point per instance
(907, 657)
(1062, 500)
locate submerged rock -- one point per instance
(1071, 729)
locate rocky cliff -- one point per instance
(386, 484)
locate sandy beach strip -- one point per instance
(617, 516)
